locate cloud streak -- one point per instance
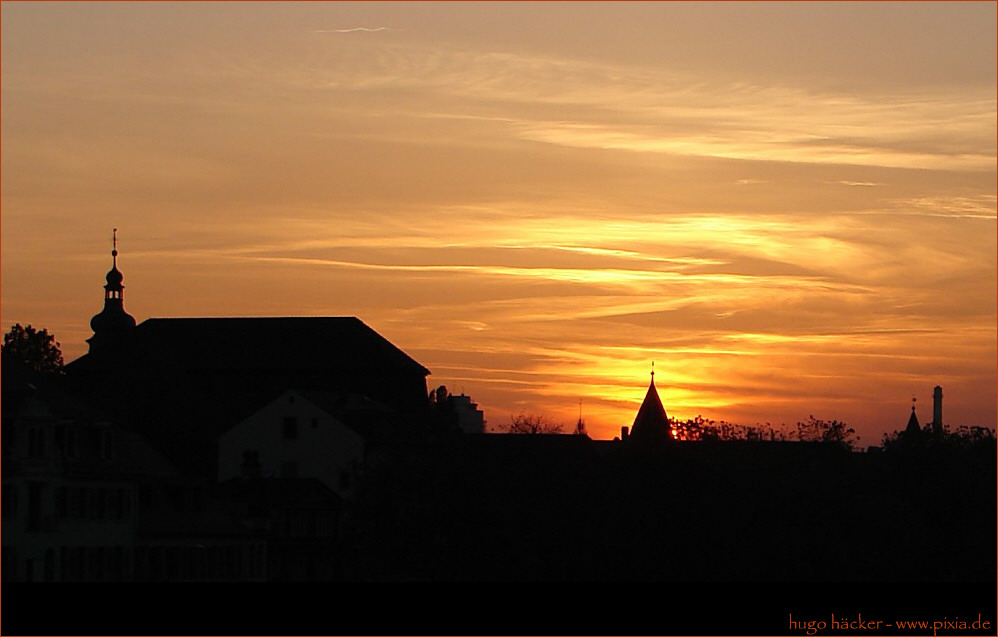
(354, 30)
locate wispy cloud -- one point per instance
(861, 184)
(354, 30)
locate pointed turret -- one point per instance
(651, 425)
(113, 323)
(913, 428)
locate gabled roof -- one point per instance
(278, 343)
(651, 425)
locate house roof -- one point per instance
(272, 343)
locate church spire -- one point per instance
(913, 426)
(113, 322)
(651, 425)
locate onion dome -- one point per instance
(113, 321)
(114, 276)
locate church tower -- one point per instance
(651, 425)
(113, 323)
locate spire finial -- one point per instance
(653, 370)
(114, 244)
(913, 399)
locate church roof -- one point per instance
(279, 343)
(651, 424)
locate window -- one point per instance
(114, 504)
(107, 445)
(250, 467)
(93, 504)
(71, 443)
(290, 427)
(62, 502)
(35, 506)
(36, 442)
(9, 499)
(79, 503)
(101, 503)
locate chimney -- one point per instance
(623, 432)
(937, 408)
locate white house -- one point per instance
(297, 435)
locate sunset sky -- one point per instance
(789, 207)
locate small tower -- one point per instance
(113, 323)
(651, 425)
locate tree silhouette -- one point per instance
(532, 424)
(834, 431)
(442, 408)
(963, 437)
(37, 350)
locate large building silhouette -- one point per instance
(111, 470)
(184, 381)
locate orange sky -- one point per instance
(789, 207)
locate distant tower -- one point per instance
(651, 425)
(937, 408)
(113, 323)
